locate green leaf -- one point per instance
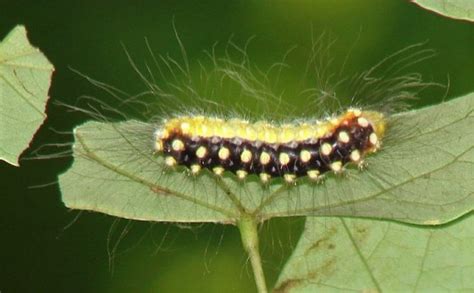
(424, 174)
(338, 254)
(25, 76)
(459, 9)
(116, 173)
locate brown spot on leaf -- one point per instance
(159, 190)
(288, 285)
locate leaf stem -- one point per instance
(249, 235)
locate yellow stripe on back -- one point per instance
(200, 126)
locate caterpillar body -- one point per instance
(310, 148)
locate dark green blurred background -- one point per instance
(41, 252)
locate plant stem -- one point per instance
(249, 235)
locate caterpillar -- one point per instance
(310, 148)
(201, 132)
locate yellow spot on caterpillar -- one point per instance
(236, 127)
(284, 158)
(355, 111)
(305, 156)
(378, 121)
(177, 145)
(164, 134)
(204, 130)
(321, 130)
(336, 166)
(223, 131)
(241, 174)
(289, 178)
(265, 158)
(334, 121)
(185, 126)
(201, 152)
(286, 134)
(270, 135)
(170, 161)
(246, 156)
(195, 169)
(343, 137)
(241, 130)
(260, 127)
(355, 156)
(326, 149)
(363, 122)
(218, 170)
(304, 131)
(264, 177)
(223, 153)
(313, 174)
(373, 139)
(158, 146)
(251, 133)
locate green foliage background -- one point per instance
(40, 252)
